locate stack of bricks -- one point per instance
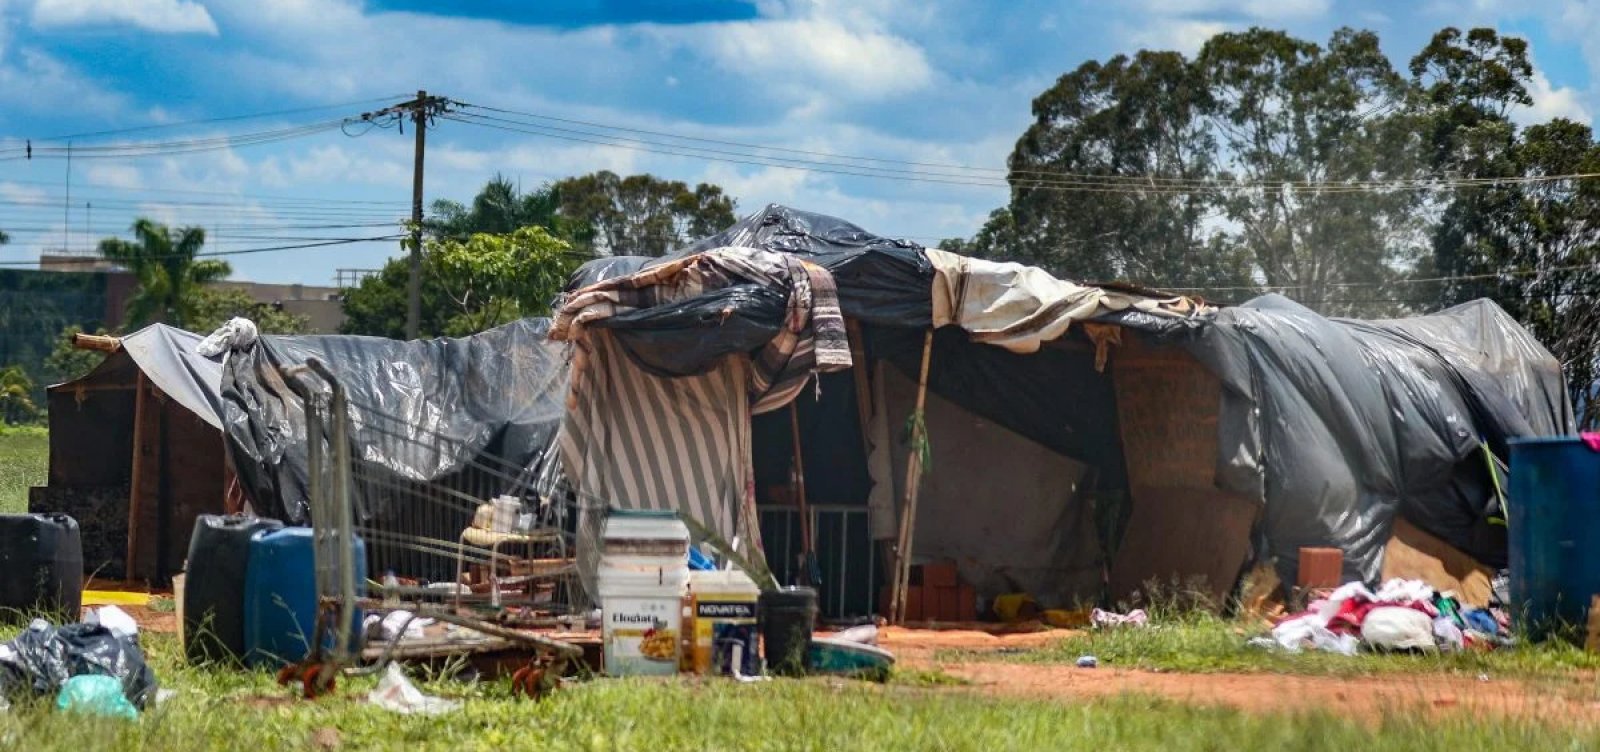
(936, 593)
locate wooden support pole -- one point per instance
(908, 511)
(800, 493)
(137, 480)
(858, 367)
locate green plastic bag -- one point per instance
(95, 695)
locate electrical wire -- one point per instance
(223, 119)
(966, 174)
(214, 254)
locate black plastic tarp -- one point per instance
(1338, 425)
(1335, 425)
(421, 410)
(880, 280)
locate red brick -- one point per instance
(940, 574)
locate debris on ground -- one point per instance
(396, 693)
(1134, 618)
(1401, 615)
(41, 660)
(94, 694)
(1088, 661)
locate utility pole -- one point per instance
(419, 115)
(419, 111)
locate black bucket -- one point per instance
(41, 566)
(786, 617)
(213, 588)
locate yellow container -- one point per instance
(721, 599)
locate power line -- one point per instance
(223, 119)
(213, 254)
(750, 154)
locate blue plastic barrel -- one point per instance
(280, 595)
(1554, 536)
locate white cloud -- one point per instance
(821, 53)
(109, 175)
(164, 16)
(1185, 36)
(1263, 10)
(1550, 102)
(39, 83)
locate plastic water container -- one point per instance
(641, 618)
(211, 625)
(280, 596)
(723, 613)
(642, 574)
(41, 566)
(1554, 535)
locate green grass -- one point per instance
(24, 459)
(219, 708)
(1200, 643)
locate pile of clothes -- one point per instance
(1401, 615)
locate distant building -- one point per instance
(322, 306)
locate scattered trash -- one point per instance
(1061, 618)
(388, 627)
(1015, 607)
(95, 694)
(43, 657)
(114, 619)
(827, 655)
(1398, 628)
(237, 334)
(1295, 635)
(1448, 636)
(866, 634)
(1088, 661)
(1134, 618)
(396, 693)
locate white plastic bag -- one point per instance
(237, 334)
(1398, 628)
(1295, 635)
(396, 693)
(114, 619)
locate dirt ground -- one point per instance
(1366, 697)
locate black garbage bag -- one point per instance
(45, 656)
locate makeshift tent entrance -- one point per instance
(136, 453)
(1182, 438)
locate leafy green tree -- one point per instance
(16, 396)
(1095, 180)
(67, 362)
(1531, 246)
(494, 279)
(502, 208)
(467, 285)
(215, 306)
(642, 215)
(169, 273)
(1288, 112)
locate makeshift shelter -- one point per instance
(136, 452)
(151, 437)
(1077, 434)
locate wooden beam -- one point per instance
(99, 342)
(800, 494)
(858, 365)
(908, 512)
(136, 482)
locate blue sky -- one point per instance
(938, 81)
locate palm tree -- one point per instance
(170, 277)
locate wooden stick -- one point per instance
(100, 342)
(800, 489)
(135, 482)
(858, 365)
(908, 512)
